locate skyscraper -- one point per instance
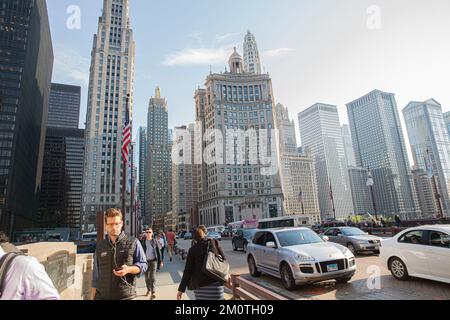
(430, 141)
(348, 146)
(62, 178)
(234, 110)
(379, 144)
(252, 62)
(447, 122)
(297, 171)
(64, 106)
(286, 127)
(158, 164)
(142, 161)
(111, 80)
(425, 192)
(320, 130)
(184, 175)
(26, 63)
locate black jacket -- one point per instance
(193, 277)
(156, 249)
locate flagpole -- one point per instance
(132, 188)
(124, 175)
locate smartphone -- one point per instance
(118, 269)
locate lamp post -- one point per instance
(370, 184)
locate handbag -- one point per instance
(215, 266)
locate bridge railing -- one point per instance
(244, 289)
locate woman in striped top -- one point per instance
(204, 287)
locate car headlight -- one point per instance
(363, 242)
(346, 252)
(304, 257)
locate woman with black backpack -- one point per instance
(205, 286)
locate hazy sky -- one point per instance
(316, 51)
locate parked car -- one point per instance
(187, 236)
(214, 235)
(242, 238)
(299, 256)
(354, 239)
(422, 252)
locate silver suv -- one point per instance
(299, 256)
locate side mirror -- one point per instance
(325, 238)
(271, 244)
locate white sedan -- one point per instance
(422, 252)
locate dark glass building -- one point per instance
(62, 178)
(26, 62)
(64, 106)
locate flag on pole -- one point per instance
(331, 193)
(126, 135)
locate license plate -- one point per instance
(332, 267)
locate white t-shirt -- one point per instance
(26, 279)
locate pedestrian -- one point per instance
(153, 255)
(204, 287)
(203, 228)
(23, 277)
(170, 242)
(161, 245)
(398, 221)
(118, 260)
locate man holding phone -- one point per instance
(118, 260)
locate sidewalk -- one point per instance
(167, 281)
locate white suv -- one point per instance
(299, 256)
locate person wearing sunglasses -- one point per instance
(154, 262)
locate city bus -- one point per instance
(286, 221)
(244, 224)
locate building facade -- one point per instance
(297, 170)
(142, 161)
(430, 141)
(110, 82)
(233, 111)
(26, 63)
(320, 131)
(252, 61)
(158, 164)
(184, 177)
(447, 122)
(64, 106)
(62, 178)
(361, 194)
(348, 146)
(425, 192)
(379, 145)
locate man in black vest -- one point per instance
(118, 260)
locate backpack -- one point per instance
(5, 262)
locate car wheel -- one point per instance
(398, 269)
(287, 278)
(352, 249)
(245, 248)
(252, 267)
(343, 280)
(235, 248)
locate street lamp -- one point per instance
(370, 184)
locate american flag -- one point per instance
(126, 135)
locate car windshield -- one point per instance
(352, 232)
(297, 237)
